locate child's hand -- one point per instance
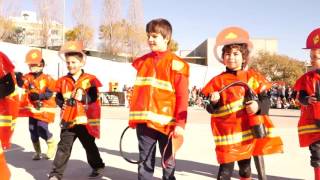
(252, 107)
(312, 99)
(79, 94)
(215, 97)
(178, 131)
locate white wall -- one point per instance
(105, 70)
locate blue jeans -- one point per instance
(147, 138)
(38, 129)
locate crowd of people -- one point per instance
(281, 97)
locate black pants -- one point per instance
(38, 129)
(148, 138)
(67, 138)
(315, 154)
(226, 170)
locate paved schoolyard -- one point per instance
(196, 159)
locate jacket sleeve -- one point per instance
(181, 86)
(303, 97)
(263, 103)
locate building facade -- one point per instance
(33, 28)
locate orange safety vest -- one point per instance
(88, 114)
(230, 123)
(307, 129)
(153, 98)
(47, 110)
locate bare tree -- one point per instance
(83, 18)
(136, 39)
(48, 13)
(7, 27)
(111, 25)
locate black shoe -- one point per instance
(96, 173)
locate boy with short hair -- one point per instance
(239, 121)
(41, 105)
(308, 92)
(159, 101)
(77, 95)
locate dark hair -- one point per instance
(43, 63)
(243, 48)
(161, 26)
(77, 54)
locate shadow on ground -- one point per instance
(76, 169)
(191, 166)
(79, 170)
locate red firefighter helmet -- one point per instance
(231, 35)
(72, 46)
(313, 40)
(34, 56)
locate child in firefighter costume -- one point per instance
(159, 101)
(77, 96)
(240, 123)
(39, 88)
(8, 110)
(308, 88)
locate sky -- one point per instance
(193, 21)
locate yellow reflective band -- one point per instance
(13, 124)
(308, 129)
(229, 108)
(156, 83)
(148, 115)
(5, 122)
(239, 137)
(7, 117)
(81, 120)
(94, 122)
(42, 110)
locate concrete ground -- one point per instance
(195, 160)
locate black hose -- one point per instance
(127, 159)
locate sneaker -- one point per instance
(36, 156)
(51, 149)
(54, 178)
(96, 173)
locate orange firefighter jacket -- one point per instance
(154, 100)
(8, 105)
(230, 123)
(4, 170)
(307, 129)
(39, 85)
(8, 114)
(88, 114)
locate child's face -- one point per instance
(315, 58)
(157, 42)
(74, 64)
(36, 68)
(233, 59)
